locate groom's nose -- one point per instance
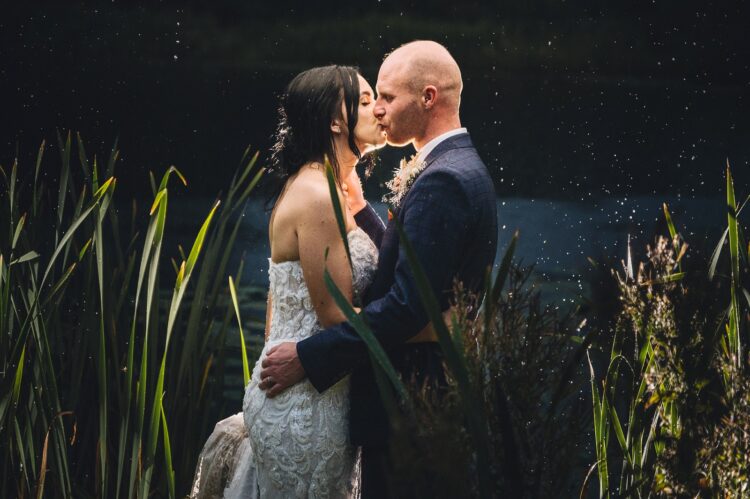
(379, 109)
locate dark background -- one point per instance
(571, 100)
(589, 114)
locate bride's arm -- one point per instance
(269, 312)
(364, 215)
(320, 248)
(318, 232)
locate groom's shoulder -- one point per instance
(459, 160)
(463, 166)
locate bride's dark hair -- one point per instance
(311, 101)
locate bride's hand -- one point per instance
(352, 189)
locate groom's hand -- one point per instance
(281, 369)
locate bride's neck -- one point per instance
(344, 157)
(346, 162)
(345, 170)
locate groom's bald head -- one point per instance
(424, 63)
(419, 93)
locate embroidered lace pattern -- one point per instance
(299, 439)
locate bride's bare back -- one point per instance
(302, 227)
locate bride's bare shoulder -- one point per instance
(309, 196)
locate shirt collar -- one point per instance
(428, 147)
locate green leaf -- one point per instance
(59, 284)
(734, 333)
(149, 264)
(12, 196)
(114, 155)
(167, 453)
(364, 331)
(198, 244)
(18, 377)
(670, 224)
(167, 174)
(177, 296)
(245, 364)
(619, 433)
(64, 175)
(600, 436)
(85, 248)
(672, 233)
(338, 211)
(175, 266)
(105, 197)
(84, 161)
(502, 274)
(31, 255)
(74, 226)
(717, 250)
(36, 174)
(677, 276)
(106, 188)
(95, 174)
(251, 185)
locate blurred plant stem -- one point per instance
(95, 377)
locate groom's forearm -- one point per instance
(369, 221)
(330, 355)
(336, 351)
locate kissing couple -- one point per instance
(313, 423)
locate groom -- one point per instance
(448, 214)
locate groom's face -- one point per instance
(397, 106)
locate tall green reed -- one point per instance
(679, 348)
(77, 306)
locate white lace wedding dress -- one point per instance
(296, 444)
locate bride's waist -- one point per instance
(291, 330)
(302, 393)
(276, 339)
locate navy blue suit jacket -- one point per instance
(450, 217)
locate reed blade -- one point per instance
(245, 364)
(364, 331)
(337, 210)
(734, 331)
(180, 284)
(63, 187)
(35, 191)
(167, 454)
(600, 435)
(502, 274)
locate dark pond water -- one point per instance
(557, 237)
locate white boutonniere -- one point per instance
(404, 177)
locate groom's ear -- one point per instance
(429, 96)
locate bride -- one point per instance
(296, 444)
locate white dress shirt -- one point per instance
(428, 147)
